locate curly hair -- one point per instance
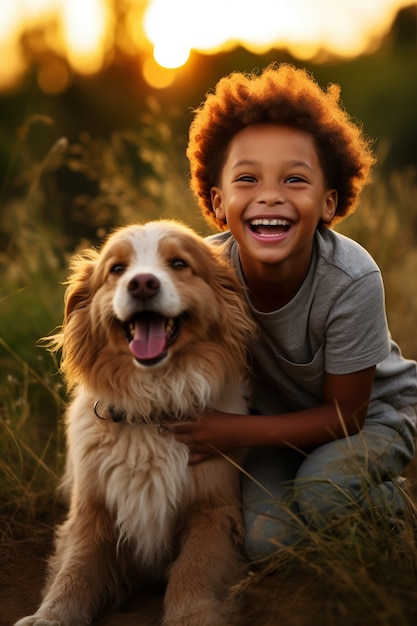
(285, 95)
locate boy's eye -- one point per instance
(246, 178)
(295, 179)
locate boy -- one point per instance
(274, 162)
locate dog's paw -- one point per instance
(37, 620)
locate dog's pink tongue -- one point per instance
(149, 340)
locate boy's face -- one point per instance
(272, 193)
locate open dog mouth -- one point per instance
(150, 335)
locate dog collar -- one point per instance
(115, 416)
(120, 416)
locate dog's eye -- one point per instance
(178, 264)
(117, 268)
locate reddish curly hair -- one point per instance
(285, 95)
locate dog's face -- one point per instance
(155, 281)
(153, 292)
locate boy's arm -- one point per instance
(343, 412)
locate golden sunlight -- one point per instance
(340, 27)
(58, 37)
(86, 28)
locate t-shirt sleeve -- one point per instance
(357, 335)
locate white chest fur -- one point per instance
(145, 477)
(141, 476)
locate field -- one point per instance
(364, 572)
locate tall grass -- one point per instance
(31, 394)
(31, 456)
(357, 572)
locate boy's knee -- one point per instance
(327, 486)
(321, 500)
(269, 531)
(262, 532)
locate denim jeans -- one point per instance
(288, 491)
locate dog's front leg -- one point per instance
(81, 572)
(209, 562)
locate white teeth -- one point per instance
(270, 222)
(169, 325)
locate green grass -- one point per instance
(31, 393)
(31, 441)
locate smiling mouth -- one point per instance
(270, 227)
(150, 335)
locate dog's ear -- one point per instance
(80, 283)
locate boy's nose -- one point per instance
(271, 195)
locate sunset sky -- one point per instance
(83, 35)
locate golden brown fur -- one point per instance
(135, 504)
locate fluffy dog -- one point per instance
(155, 329)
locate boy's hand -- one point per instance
(215, 432)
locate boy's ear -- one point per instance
(216, 203)
(330, 206)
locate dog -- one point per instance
(155, 330)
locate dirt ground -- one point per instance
(298, 602)
(21, 578)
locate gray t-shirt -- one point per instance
(335, 323)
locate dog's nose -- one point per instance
(144, 286)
